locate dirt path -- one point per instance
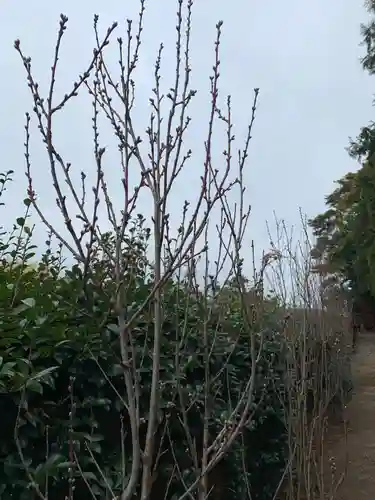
(360, 448)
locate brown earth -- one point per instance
(356, 453)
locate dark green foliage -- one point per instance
(62, 391)
(60, 369)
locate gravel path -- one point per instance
(359, 451)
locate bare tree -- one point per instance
(317, 367)
(220, 208)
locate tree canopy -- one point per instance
(345, 243)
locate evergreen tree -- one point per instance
(345, 232)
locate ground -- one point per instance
(358, 454)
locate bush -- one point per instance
(127, 371)
(61, 382)
(62, 379)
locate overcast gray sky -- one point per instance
(304, 57)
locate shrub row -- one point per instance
(62, 390)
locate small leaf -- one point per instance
(20, 221)
(65, 465)
(19, 309)
(55, 459)
(95, 438)
(29, 302)
(89, 476)
(43, 373)
(41, 319)
(7, 369)
(34, 386)
(117, 370)
(113, 328)
(24, 366)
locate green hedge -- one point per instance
(60, 371)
